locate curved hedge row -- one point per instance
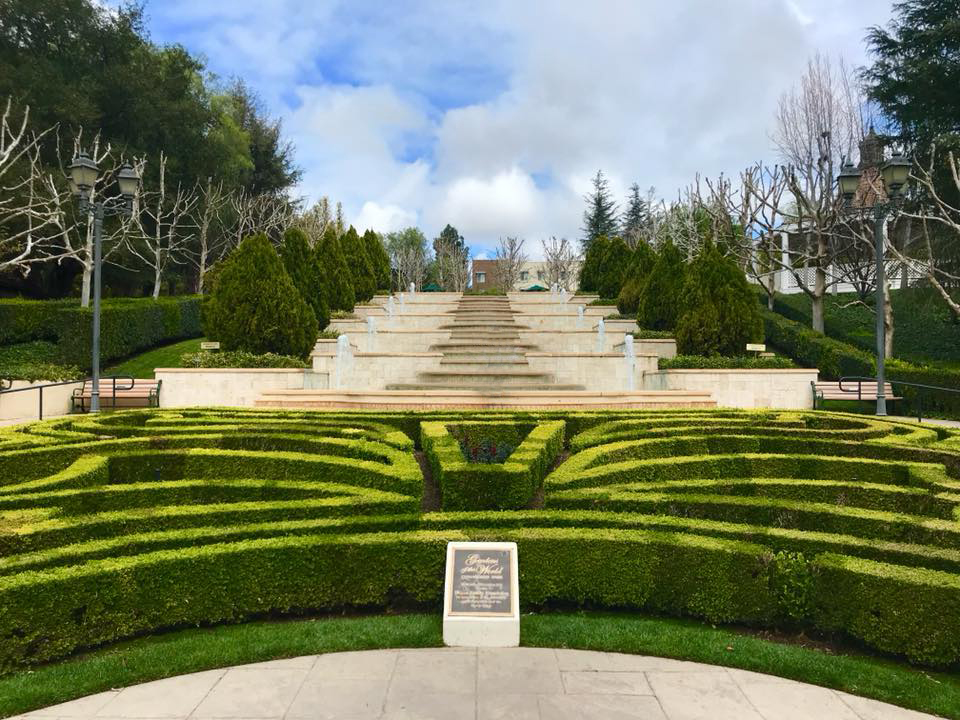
(121, 524)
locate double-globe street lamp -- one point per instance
(83, 176)
(894, 174)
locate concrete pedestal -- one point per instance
(481, 598)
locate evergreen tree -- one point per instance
(614, 263)
(640, 266)
(335, 274)
(662, 292)
(720, 312)
(364, 278)
(636, 217)
(254, 305)
(301, 265)
(379, 259)
(589, 279)
(600, 217)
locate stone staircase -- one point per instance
(484, 353)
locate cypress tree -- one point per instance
(335, 274)
(614, 262)
(379, 259)
(589, 279)
(640, 266)
(720, 314)
(301, 265)
(364, 278)
(662, 291)
(254, 305)
(636, 216)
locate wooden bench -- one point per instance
(852, 390)
(143, 393)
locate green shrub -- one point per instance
(256, 308)
(361, 270)
(662, 293)
(379, 260)
(929, 402)
(628, 301)
(719, 362)
(23, 321)
(472, 485)
(643, 334)
(811, 349)
(614, 262)
(590, 270)
(335, 274)
(239, 359)
(720, 314)
(301, 265)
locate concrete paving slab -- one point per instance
(475, 684)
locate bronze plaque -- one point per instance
(481, 582)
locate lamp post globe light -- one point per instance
(83, 179)
(894, 173)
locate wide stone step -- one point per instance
(482, 346)
(483, 327)
(482, 400)
(483, 388)
(492, 362)
(484, 376)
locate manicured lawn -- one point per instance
(143, 365)
(193, 650)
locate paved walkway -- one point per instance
(455, 684)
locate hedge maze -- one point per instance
(129, 523)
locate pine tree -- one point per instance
(662, 292)
(614, 263)
(335, 274)
(364, 278)
(640, 266)
(589, 279)
(600, 217)
(379, 259)
(254, 305)
(635, 218)
(720, 313)
(301, 265)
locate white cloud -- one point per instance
(494, 116)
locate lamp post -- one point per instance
(83, 177)
(894, 173)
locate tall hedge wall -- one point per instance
(127, 325)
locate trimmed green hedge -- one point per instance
(834, 359)
(239, 359)
(718, 362)
(468, 485)
(127, 326)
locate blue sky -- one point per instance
(494, 115)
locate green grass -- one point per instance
(166, 356)
(194, 650)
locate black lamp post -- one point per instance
(894, 173)
(83, 177)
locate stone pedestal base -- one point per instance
(481, 598)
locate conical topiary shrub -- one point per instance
(254, 305)
(720, 313)
(640, 266)
(661, 294)
(301, 265)
(613, 268)
(336, 278)
(379, 259)
(589, 279)
(364, 279)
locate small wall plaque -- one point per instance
(481, 599)
(756, 347)
(210, 346)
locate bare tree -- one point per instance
(818, 123)
(509, 259)
(938, 220)
(210, 240)
(453, 266)
(411, 266)
(268, 214)
(315, 221)
(562, 261)
(167, 213)
(69, 235)
(23, 211)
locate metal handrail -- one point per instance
(39, 388)
(859, 379)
